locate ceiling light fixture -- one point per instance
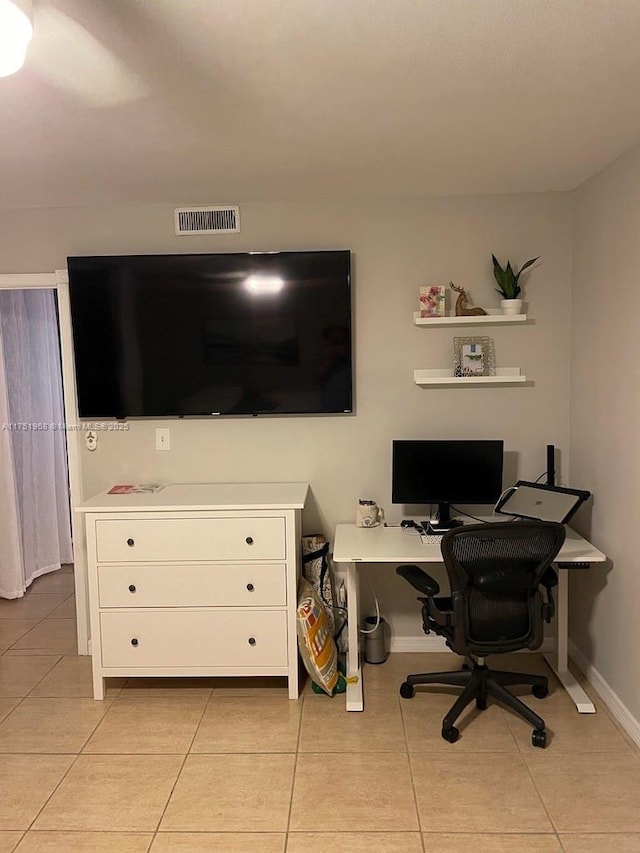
(16, 30)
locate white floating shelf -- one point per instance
(493, 316)
(444, 376)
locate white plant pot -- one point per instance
(511, 306)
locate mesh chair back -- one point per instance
(494, 572)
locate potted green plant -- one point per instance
(508, 285)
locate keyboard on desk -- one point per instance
(430, 539)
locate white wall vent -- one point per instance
(214, 219)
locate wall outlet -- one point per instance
(91, 440)
(163, 439)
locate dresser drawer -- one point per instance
(147, 638)
(189, 539)
(215, 585)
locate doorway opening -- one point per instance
(35, 526)
(40, 474)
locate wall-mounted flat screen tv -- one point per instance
(212, 334)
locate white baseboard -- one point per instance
(418, 644)
(432, 643)
(611, 699)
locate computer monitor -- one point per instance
(446, 472)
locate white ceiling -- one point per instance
(207, 101)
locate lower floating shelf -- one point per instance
(444, 376)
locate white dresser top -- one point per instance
(204, 496)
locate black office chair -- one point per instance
(496, 605)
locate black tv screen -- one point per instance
(212, 334)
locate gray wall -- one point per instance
(605, 417)
(397, 246)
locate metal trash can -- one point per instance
(375, 642)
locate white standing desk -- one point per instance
(356, 545)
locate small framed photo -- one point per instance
(432, 300)
(474, 357)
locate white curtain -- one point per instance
(35, 527)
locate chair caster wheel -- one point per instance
(407, 690)
(540, 691)
(539, 738)
(481, 703)
(452, 734)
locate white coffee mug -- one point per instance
(368, 514)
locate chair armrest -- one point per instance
(441, 611)
(418, 579)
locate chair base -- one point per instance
(479, 682)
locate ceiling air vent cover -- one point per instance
(214, 219)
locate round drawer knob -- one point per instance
(134, 641)
(132, 587)
(249, 540)
(250, 587)
(252, 641)
(131, 543)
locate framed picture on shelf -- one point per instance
(474, 357)
(432, 299)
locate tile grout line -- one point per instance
(58, 655)
(411, 774)
(60, 781)
(184, 761)
(38, 622)
(301, 698)
(542, 802)
(28, 695)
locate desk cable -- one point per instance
(474, 517)
(508, 489)
(377, 605)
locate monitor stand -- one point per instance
(444, 522)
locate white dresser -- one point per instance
(195, 580)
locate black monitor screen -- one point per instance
(445, 472)
(217, 334)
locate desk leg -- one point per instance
(559, 660)
(355, 701)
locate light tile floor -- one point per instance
(233, 766)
